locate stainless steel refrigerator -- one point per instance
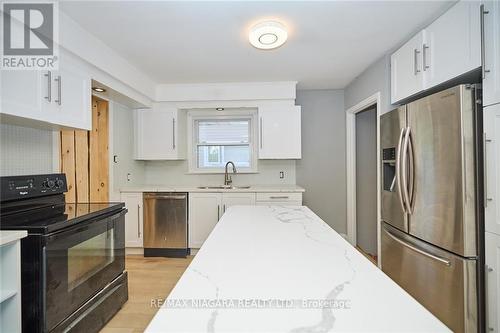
(429, 199)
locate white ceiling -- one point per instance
(329, 44)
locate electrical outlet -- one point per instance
(282, 174)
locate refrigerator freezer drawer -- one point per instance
(442, 282)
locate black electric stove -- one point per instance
(73, 260)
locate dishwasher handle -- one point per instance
(165, 197)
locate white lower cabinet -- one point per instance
(204, 213)
(279, 198)
(133, 219)
(492, 282)
(234, 199)
(491, 116)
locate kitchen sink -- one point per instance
(223, 187)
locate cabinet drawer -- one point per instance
(279, 197)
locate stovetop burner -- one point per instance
(36, 203)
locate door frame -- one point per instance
(351, 167)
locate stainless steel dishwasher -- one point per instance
(165, 224)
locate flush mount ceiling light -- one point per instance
(268, 35)
(97, 89)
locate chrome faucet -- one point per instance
(227, 177)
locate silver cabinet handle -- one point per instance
(485, 169)
(279, 197)
(488, 270)
(416, 249)
(261, 143)
(173, 133)
(218, 212)
(49, 86)
(424, 57)
(483, 55)
(59, 89)
(404, 170)
(398, 170)
(224, 208)
(415, 62)
(138, 221)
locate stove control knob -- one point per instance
(50, 183)
(59, 183)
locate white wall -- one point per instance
(322, 169)
(122, 127)
(25, 151)
(175, 173)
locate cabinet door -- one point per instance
(280, 133)
(452, 44)
(133, 219)
(204, 213)
(491, 116)
(491, 80)
(155, 134)
(492, 278)
(406, 69)
(24, 93)
(235, 199)
(72, 95)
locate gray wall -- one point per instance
(25, 150)
(366, 180)
(322, 169)
(375, 78)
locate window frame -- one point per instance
(241, 114)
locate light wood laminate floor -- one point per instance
(148, 278)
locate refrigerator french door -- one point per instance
(429, 198)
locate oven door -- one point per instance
(81, 261)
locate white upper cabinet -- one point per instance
(452, 44)
(406, 68)
(491, 46)
(446, 49)
(52, 98)
(160, 133)
(491, 116)
(280, 132)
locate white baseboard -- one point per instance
(134, 251)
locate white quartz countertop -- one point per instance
(273, 269)
(194, 188)
(9, 236)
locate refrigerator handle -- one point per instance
(412, 172)
(398, 169)
(418, 250)
(404, 171)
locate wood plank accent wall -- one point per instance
(85, 157)
(99, 139)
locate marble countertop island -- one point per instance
(282, 269)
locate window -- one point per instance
(218, 139)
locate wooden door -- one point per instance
(85, 158)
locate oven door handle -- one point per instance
(97, 222)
